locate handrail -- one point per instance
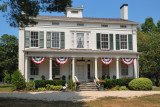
(76, 79)
(96, 80)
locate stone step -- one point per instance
(88, 86)
(88, 89)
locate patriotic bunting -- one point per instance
(106, 61)
(38, 60)
(62, 60)
(127, 61)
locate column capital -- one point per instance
(117, 59)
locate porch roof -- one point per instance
(81, 53)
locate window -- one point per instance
(55, 23)
(80, 24)
(80, 40)
(104, 25)
(124, 69)
(105, 70)
(55, 40)
(74, 11)
(34, 39)
(55, 69)
(34, 68)
(123, 41)
(72, 38)
(123, 26)
(87, 38)
(104, 41)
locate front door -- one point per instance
(80, 72)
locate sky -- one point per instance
(138, 10)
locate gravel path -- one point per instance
(76, 96)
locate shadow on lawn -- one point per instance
(50, 99)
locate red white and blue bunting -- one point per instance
(62, 60)
(127, 61)
(38, 60)
(106, 61)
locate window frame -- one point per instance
(122, 69)
(35, 67)
(123, 41)
(103, 41)
(31, 39)
(83, 40)
(52, 40)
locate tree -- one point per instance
(20, 13)
(148, 26)
(8, 53)
(158, 26)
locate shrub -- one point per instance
(57, 88)
(48, 86)
(140, 84)
(18, 80)
(110, 83)
(6, 77)
(30, 85)
(42, 89)
(123, 88)
(116, 87)
(43, 83)
(71, 84)
(159, 84)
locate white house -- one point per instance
(86, 48)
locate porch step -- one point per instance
(88, 86)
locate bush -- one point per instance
(71, 84)
(140, 84)
(116, 87)
(123, 88)
(110, 83)
(6, 77)
(43, 83)
(30, 85)
(57, 88)
(18, 80)
(159, 84)
(42, 89)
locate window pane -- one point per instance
(34, 68)
(55, 39)
(34, 39)
(80, 40)
(123, 41)
(124, 69)
(104, 41)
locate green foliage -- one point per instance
(20, 11)
(140, 84)
(116, 87)
(30, 85)
(56, 88)
(42, 89)
(110, 83)
(18, 80)
(159, 84)
(8, 53)
(70, 83)
(123, 88)
(6, 77)
(43, 83)
(48, 86)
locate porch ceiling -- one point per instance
(80, 53)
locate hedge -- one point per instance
(110, 83)
(140, 84)
(43, 83)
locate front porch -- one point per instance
(83, 69)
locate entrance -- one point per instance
(80, 72)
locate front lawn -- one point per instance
(147, 101)
(156, 89)
(6, 88)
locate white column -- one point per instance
(96, 74)
(117, 68)
(50, 68)
(73, 69)
(135, 68)
(26, 69)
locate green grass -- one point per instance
(6, 88)
(156, 89)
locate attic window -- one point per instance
(123, 26)
(55, 23)
(104, 25)
(74, 11)
(80, 24)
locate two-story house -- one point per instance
(79, 47)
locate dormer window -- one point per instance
(80, 24)
(55, 23)
(123, 26)
(74, 11)
(104, 25)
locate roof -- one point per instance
(85, 19)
